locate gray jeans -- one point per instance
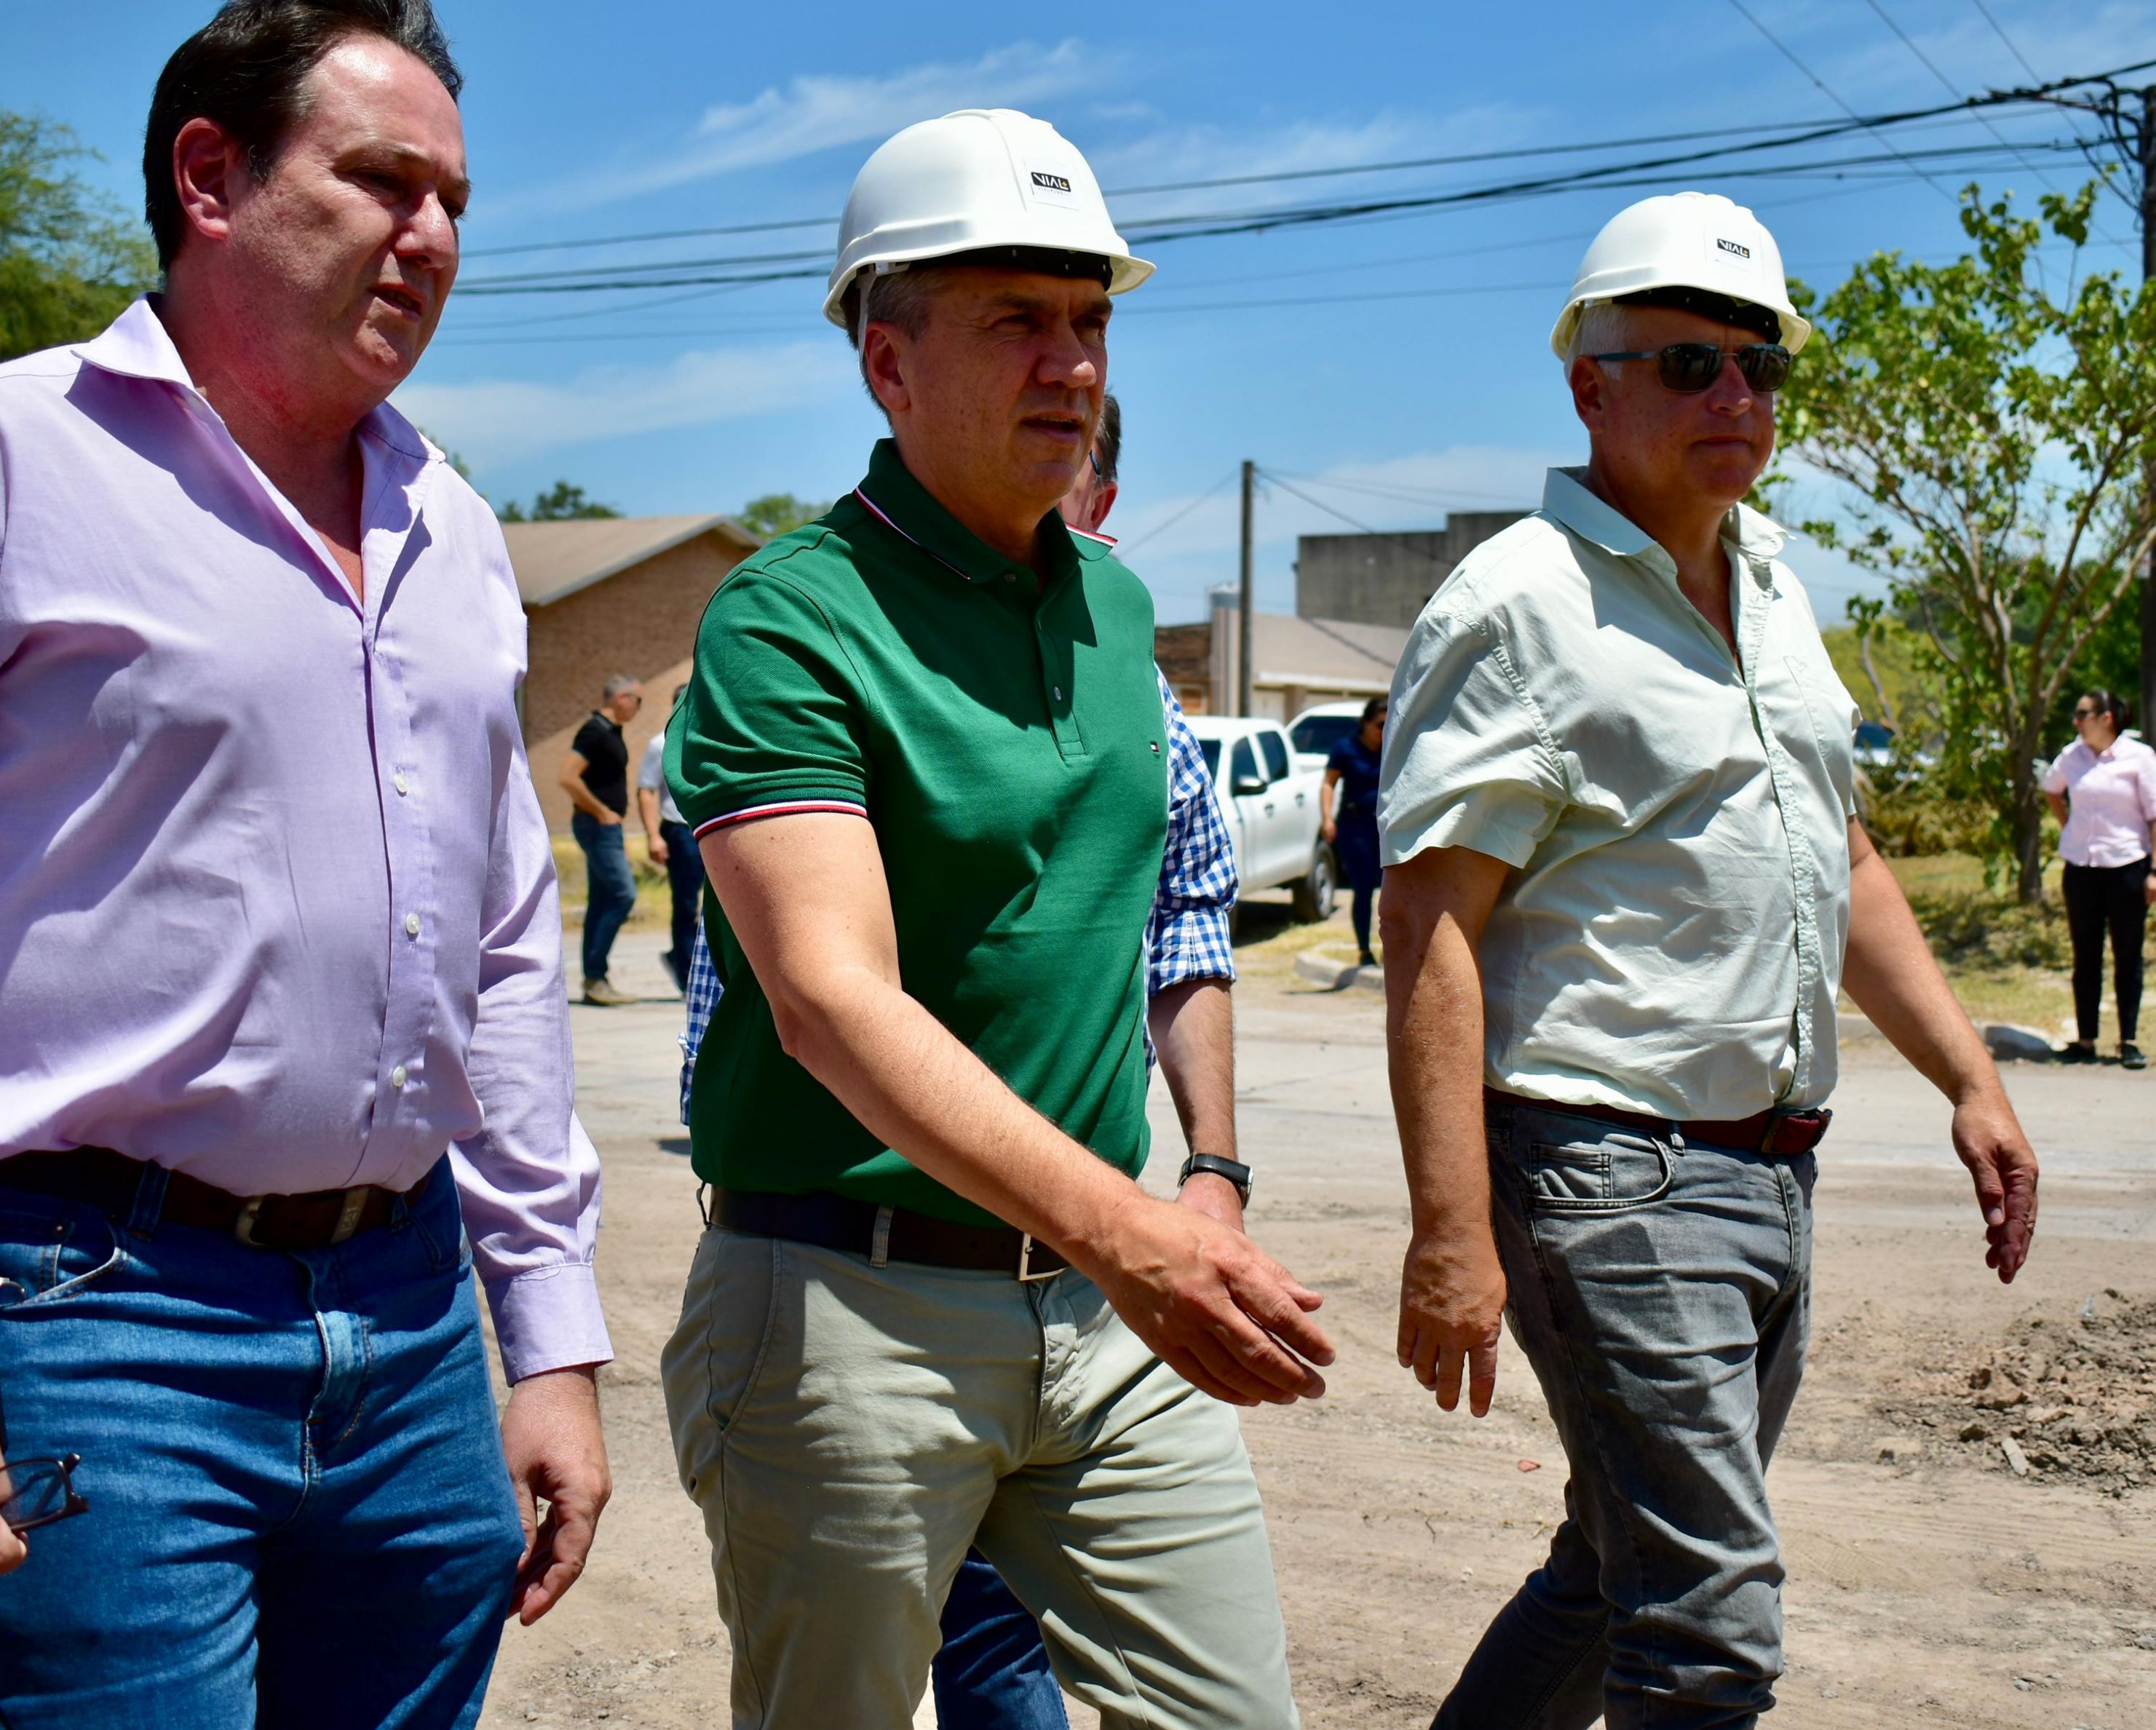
(1661, 1290)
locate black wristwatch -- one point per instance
(1233, 1170)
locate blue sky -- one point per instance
(1392, 369)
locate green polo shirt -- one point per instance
(1003, 734)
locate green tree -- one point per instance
(1990, 440)
(69, 261)
(776, 514)
(562, 502)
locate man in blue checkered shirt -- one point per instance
(991, 1672)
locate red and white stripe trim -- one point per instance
(783, 807)
(1091, 535)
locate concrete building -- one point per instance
(1294, 662)
(605, 595)
(1386, 579)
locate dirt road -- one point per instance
(1928, 1585)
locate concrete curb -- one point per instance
(1333, 974)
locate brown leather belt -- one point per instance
(838, 1221)
(109, 1180)
(1780, 1135)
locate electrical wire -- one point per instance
(1194, 227)
(1796, 129)
(2000, 31)
(1127, 547)
(1790, 54)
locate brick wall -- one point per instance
(641, 621)
(1185, 655)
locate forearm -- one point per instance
(1892, 978)
(1194, 1033)
(1433, 1043)
(647, 811)
(583, 798)
(918, 1089)
(2058, 807)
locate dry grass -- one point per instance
(653, 902)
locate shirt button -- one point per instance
(411, 924)
(400, 783)
(1010, 576)
(396, 1076)
(1058, 693)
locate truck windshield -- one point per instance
(1315, 735)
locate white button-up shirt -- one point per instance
(1677, 817)
(277, 907)
(2111, 801)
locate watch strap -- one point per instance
(1234, 1171)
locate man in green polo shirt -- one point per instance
(924, 757)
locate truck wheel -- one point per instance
(1313, 890)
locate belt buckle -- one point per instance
(1026, 1276)
(353, 1204)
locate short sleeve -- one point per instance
(651, 769)
(771, 721)
(591, 742)
(2148, 787)
(1468, 759)
(2055, 778)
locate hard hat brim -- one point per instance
(1125, 271)
(1796, 328)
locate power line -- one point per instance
(1790, 54)
(1161, 528)
(2000, 31)
(1795, 128)
(1196, 226)
(1932, 67)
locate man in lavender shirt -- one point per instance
(281, 1006)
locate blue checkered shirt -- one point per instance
(1186, 933)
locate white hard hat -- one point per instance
(980, 178)
(1699, 241)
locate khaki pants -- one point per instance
(849, 1431)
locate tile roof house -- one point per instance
(605, 595)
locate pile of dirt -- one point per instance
(2071, 1397)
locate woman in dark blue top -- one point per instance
(1351, 823)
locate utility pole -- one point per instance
(2147, 153)
(1248, 607)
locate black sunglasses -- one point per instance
(39, 1492)
(1691, 367)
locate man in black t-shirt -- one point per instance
(595, 776)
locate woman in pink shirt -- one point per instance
(2103, 789)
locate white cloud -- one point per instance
(1205, 152)
(817, 112)
(496, 421)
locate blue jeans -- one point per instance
(991, 1672)
(685, 876)
(299, 1515)
(1662, 1291)
(610, 888)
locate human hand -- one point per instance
(2149, 889)
(550, 1433)
(1221, 1312)
(13, 1551)
(1332, 831)
(1452, 1308)
(1988, 1138)
(610, 819)
(655, 848)
(1211, 1194)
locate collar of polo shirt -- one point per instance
(906, 507)
(1565, 497)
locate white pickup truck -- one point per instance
(1270, 803)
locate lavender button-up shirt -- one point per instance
(277, 907)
